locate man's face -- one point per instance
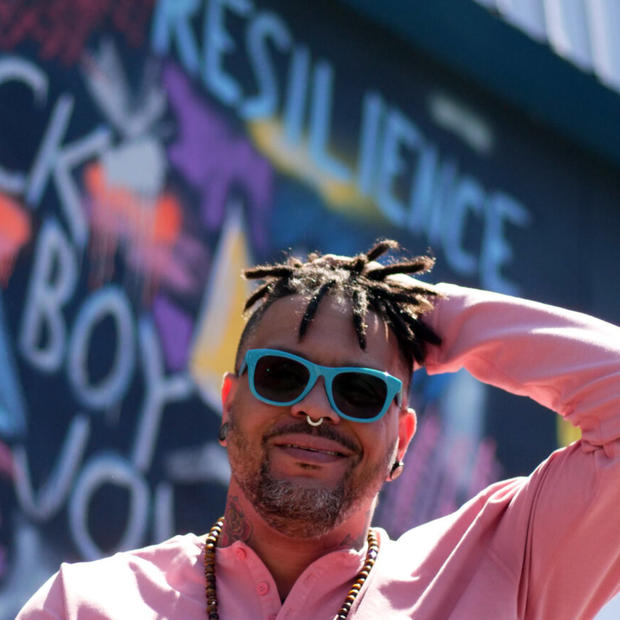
(304, 480)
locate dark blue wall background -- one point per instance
(148, 152)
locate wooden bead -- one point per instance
(211, 540)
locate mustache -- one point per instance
(325, 431)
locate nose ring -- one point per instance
(312, 422)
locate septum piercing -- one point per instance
(312, 422)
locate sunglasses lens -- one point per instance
(359, 395)
(280, 379)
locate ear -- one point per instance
(229, 388)
(407, 424)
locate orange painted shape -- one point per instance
(159, 221)
(168, 219)
(15, 225)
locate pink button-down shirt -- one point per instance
(545, 547)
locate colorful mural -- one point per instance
(149, 152)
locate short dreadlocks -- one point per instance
(358, 279)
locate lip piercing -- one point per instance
(312, 422)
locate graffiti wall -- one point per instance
(151, 150)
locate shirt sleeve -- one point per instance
(565, 360)
(560, 533)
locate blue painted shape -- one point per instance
(12, 405)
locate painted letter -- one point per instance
(24, 71)
(52, 494)
(52, 159)
(467, 196)
(46, 296)
(159, 391)
(399, 131)
(217, 43)
(108, 469)
(172, 18)
(296, 93)
(163, 511)
(320, 123)
(107, 302)
(372, 113)
(54, 134)
(496, 251)
(264, 27)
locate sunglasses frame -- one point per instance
(393, 384)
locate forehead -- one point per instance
(330, 339)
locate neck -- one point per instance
(285, 556)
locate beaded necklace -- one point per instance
(209, 566)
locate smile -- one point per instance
(297, 447)
(313, 444)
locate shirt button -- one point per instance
(262, 588)
(240, 553)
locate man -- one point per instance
(316, 419)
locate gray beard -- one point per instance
(297, 511)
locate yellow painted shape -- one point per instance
(567, 433)
(220, 321)
(295, 160)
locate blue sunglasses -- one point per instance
(358, 394)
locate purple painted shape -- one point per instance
(486, 467)
(214, 159)
(175, 329)
(429, 487)
(420, 466)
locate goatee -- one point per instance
(291, 508)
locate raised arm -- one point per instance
(559, 534)
(567, 361)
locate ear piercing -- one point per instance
(223, 432)
(397, 469)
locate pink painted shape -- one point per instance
(149, 234)
(62, 28)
